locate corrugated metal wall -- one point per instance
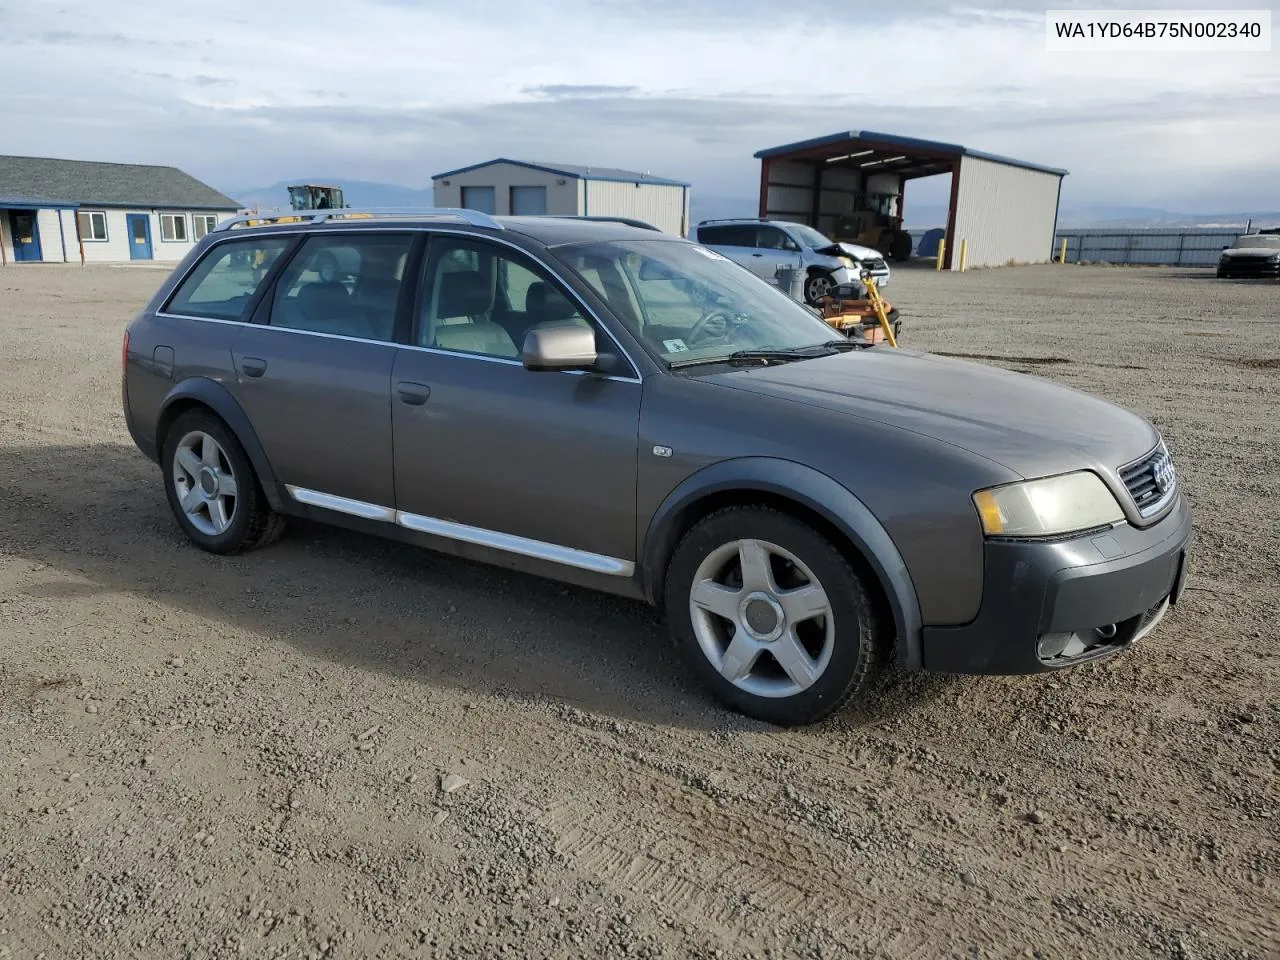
(1176, 248)
(662, 206)
(791, 185)
(790, 192)
(1004, 213)
(562, 197)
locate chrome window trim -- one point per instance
(480, 536)
(241, 238)
(386, 343)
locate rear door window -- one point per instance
(727, 236)
(226, 279)
(343, 285)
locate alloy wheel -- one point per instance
(761, 618)
(206, 484)
(817, 287)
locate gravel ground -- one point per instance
(341, 747)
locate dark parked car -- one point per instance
(606, 405)
(1252, 255)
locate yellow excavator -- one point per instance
(305, 196)
(311, 196)
(302, 197)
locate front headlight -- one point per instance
(1048, 507)
(849, 262)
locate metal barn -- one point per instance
(1001, 210)
(514, 187)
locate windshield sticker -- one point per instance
(710, 253)
(675, 346)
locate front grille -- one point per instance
(1249, 267)
(1150, 481)
(873, 265)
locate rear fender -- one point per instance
(209, 393)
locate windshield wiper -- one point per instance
(778, 355)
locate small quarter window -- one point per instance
(93, 224)
(225, 280)
(203, 224)
(173, 227)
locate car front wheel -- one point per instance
(816, 286)
(771, 615)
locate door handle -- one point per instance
(757, 254)
(414, 394)
(253, 367)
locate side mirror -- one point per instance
(560, 346)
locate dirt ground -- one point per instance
(204, 757)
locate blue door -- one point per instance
(139, 231)
(26, 235)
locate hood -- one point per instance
(1024, 423)
(1262, 253)
(857, 251)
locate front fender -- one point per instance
(216, 397)
(811, 489)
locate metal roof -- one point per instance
(907, 156)
(43, 181)
(576, 171)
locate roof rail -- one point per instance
(734, 220)
(628, 221)
(473, 217)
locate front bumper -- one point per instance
(1104, 590)
(1249, 267)
(846, 274)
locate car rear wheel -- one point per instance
(816, 286)
(212, 489)
(771, 616)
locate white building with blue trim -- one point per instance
(72, 211)
(504, 187)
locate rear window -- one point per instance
(223, 283)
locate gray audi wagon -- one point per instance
(602, 404)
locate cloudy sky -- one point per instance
(244, 93)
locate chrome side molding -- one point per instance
(494, 539)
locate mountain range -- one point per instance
(920, 217)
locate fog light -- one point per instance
(1052, 644)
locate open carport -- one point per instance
(850, 186)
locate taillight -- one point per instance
(124, 353)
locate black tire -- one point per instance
(901, 247)
(809, 286)
(253, 523)
(859, 639)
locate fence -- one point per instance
(1186, 247)
(1190, 247)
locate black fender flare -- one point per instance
(815, 491)
(216, 397)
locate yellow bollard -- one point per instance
(942, 252)
(964, 251)
(1062, 257)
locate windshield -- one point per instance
(1269, 242)
(810, 237)
(685, 302)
